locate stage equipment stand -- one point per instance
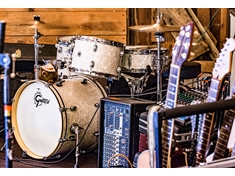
(5, 61)
(159, 39)
(37, 35)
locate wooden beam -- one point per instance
(203, 15)
(224, 26)
(215, 52)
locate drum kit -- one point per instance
(47, 116)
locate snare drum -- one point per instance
(136, 58)
(44, 115)
(96, 56)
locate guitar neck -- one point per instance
(207, 124)
(222, 67)
(168, 125)
(225, 130)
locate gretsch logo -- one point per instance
(39, 100)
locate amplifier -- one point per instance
(119, 130)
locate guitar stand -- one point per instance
(166, 114)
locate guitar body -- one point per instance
(147, 158)
(143, 159)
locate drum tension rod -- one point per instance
(72, 108)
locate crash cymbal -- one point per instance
(36, 23)
(42, 25)
(159, 26)
(155, 28)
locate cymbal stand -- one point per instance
(133, 84)
(37, 35)
(158, 64)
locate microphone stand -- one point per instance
(5, 61)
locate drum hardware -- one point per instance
(37, 35)
(24, 154)
(159, 28)
(72, 108)
(84, 81)
(75, 129)
(71, 138)
(135, 84)
(159, 38)
(59, 82)
(36, 23)
(92, 64)
(95, 47)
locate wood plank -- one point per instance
(224, 23)
(203, 15)
(144, 18)
(80, 23)
(215, 25)
(62, 9)
(214, 51)
(206, 66)
(179, 17)
(53, 39)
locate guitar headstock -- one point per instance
(182, 45)
(223, 63)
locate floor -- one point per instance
(67, 160)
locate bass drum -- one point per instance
(44, 115)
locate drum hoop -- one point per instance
(14, 123)
(60, 41)
(64, 116)
(144, 51)
(99, 40)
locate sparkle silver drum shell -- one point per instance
(65, 45)
(96, 56)
(43, 115)
(136, 58)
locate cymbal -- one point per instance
(155, 28)
(42, 25)
(159, 26)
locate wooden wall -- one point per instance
(211, 24)
(106, 23)
(113, 24)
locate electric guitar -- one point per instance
(180, 54)
(221, 68)
(221, 147)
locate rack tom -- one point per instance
(97, 56)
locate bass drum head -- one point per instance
(42, 117)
